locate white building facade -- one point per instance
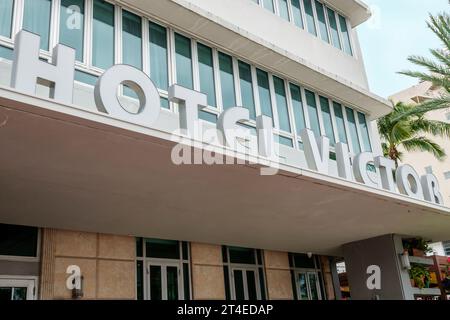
(85, 186)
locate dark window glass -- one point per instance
(103, 35)
(164, 249)
(183, 59)
(264, 93)
(206, 72)
(185, 250)
(282, 108)
(364, 129)
(340, 122)
(312, 112)
(227, 80)
(242, 255)
(187, 283)
(297, 105)
(251, 285)
(224, 254)
(327, 121)
(172, 283)
(155, 283)
(18, 241)
(245, 76)
(303, 261)
(227, 283)
(85, 78)
(131, 39)
(6, 53)
(239, 285)
(353, 130)
(259, 256)
(262, 284)
(310, 21)
(322, 22)
(139, 280)
(294, 287)
(297, 12)
(139, 250)
(207, 116)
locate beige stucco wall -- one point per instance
(421, 160)
(207, 272)
(278, 275)
(106, 262)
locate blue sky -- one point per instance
(397, 30)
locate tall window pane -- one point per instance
(297, 13)
(71, 25)
(327, 122)
(364, 129)
(183, 58)
(340, 124)
(36, 19)
(103, 35)
(353, 130)
(282, 108)
(333, 29)
(158, 56)
(6, 11)
(322, 21)
(312, 112)
(268, 4)
(297, 105)
(345, 35)
(132, 39)
(227, 80)
(245, 78)
(264, 93)
(205, 65)
(283, 7)
(310, 17)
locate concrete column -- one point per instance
(382, 252)
(207, 272)
(47, 277)
(278, 275)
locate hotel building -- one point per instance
(82, 190)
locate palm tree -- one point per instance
(407, 127)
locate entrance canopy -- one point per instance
(70, 168)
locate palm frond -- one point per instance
(425, 145)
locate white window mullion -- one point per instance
(258, 110)
(305, 108)
(316, 20)
(274, 102)
(291, 113)
(333, 121)
(338, 25)
(172, 64)
(88, 29)
(319, 114)
(358, 130)
(347, 131)
(195, 67)
(17, 17)
(217, 80)
(54, 24)
(145, 47)
(118, 35)
(237, 83)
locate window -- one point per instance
(353, 130)
(36, 19)
(131, 39)
(340, 123)
(334, 29)
(312, 112)
(162, 269)
(18, 241)
(103, 35)
(429, 170)
(227, 81)
(245, 78)
(268, 4)
(264, 93)
(17, 289)
(6, 53)
(158, 56)
(306, 277)
(206, 71)
(183, 60)
(363, 128)
(311, 24)
(327, 120)
(244, 274)
(297, 105)
(71, 25)
(283, 8)
(282, 108)
(297, 13)
(345, 35)
(6, 12)
(322, 21)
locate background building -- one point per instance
(81, 188)
(425, 162)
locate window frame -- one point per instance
(37, 258)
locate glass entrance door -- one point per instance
(245, 284)
(308, 287)
(16, 289)
(164, 281)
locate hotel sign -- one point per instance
(28, 69)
